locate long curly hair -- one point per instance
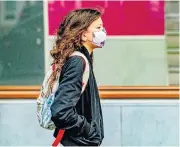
(68, 37)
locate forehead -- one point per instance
(97, 22)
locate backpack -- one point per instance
(44, 101)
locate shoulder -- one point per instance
(77, 60)
(74, 62)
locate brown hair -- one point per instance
(69, 37)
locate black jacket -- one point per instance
(80, 115)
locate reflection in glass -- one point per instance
(21, 43)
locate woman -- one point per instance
(78, 114)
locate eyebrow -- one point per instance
(99, 25)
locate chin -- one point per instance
(98, 46)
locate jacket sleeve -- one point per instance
(63, 110)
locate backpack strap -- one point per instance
(84, 83)
(86, 69)
(58, 138)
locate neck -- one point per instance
(90, 50)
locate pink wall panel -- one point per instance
(120, 17)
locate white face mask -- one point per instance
(99, 38)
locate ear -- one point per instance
(83, 37)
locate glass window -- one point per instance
(22, 44)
